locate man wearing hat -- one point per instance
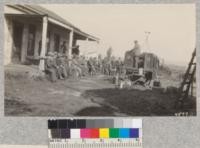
(136, 51)
(55, 64)
(49, 67)
(63, 48)
(60, 61)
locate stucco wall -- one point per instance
(8, 31)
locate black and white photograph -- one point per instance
(100, 60)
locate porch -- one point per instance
(28, 38)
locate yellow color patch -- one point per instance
(104, 133)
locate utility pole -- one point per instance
(147, 34)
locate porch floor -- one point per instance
(16, 70)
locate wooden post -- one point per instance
(24, 43)
(44, 40)
(71, 36)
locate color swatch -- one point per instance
(95, 128)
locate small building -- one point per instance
(31, 31)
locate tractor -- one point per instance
(145, 68)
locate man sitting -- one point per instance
(60, 61)
(75, 67)
(50, 67)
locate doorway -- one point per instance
(56, 42)
(31, 40)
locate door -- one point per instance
(31, 40)
(17, 42)
(56, 42)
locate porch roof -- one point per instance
(53, 17)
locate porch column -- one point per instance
(44, 40)
(24, 43)
(71, 36)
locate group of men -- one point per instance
(58, 66)
(55, 66)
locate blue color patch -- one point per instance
(124, 133)
(134, 133)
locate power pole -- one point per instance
(147, 34)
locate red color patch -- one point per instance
(94, 133)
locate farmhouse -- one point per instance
(31, 31)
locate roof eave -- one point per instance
(30, 10)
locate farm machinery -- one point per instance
(141, 71)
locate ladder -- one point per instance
(187, 80)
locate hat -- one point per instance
(50, 54)
(60, 55)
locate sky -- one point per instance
(172, 27)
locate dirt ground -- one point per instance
(88, 96)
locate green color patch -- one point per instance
(114, 133)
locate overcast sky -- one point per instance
(172, 27)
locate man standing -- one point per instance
(136, 51)
(63, 48)
(75, 50)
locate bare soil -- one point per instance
(88, 96)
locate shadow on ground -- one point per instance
(12, 104)
(96, 111)
(133, 102)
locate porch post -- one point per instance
(71, 36)
(24, 43)
(44, 40)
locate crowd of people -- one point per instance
(59, 66)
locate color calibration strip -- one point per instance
(95, 133)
